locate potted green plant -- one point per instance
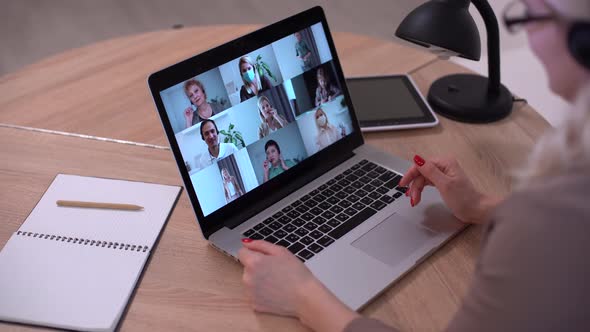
(263, 68)
(233, 136)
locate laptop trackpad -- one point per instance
(393, 239)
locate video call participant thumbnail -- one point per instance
(303, 52)
(195, 92)
(231, 187)
(270, 119)
(253, 82)
(325, 91)
(215, 150)
(274, 163)
(327, 132)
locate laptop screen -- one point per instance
(256, 117)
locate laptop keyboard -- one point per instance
(327, 213)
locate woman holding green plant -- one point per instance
(253, 81)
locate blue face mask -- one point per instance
(248, 76)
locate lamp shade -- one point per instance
(445, 24)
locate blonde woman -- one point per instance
(253, 82)
(270, 119)
(533, 271)
(230, 186)
(327, 133)
(195, 92)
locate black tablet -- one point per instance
(389, 103)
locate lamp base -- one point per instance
(465, 98)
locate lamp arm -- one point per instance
(493, 34)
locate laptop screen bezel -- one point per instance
(279, 187)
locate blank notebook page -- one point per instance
(131, 227)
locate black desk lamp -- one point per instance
(447, 26)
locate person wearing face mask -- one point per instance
(327, 133)
(274, 164)
(195, 92)
(326, 91)
(253, 82)
(533, 270)
(231, 187)
(270, 119)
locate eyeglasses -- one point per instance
(517, 14)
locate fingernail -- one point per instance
(419, 160)
(407, 193)
(246, 240)
(412, 202)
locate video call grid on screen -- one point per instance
(298, 110)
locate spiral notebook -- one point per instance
(76, 268)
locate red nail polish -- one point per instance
(419, 160)
(246, 240)
(412, 202)
(408, 193)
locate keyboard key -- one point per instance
(293, 214)
(320, 198)
(336, 209)
(319, 220)
(351, 177)
(342, 217)
(350, 211)
(339, 177)
(283, 243)
(349, 190)
(248, 232)
(285, 220)
(292, 238)
(333, 200)
(361, 192)
(268, 220)
(341, 230)
(326, 241)
(344, 183)
(277, 215)
(298, 222)
(353, 198)
(325, 228)
(345, 203)
(382, 190)
(358, 206)
(311, 203)
(328, 192)
(402, 189)
(315, 248)
(271, 239)
(280, 233)
(336, 187)
(380, 170)
(259, 226)
(265, 231)
(397, 195)
(306, 240)
(341, 195)
(295, 247)
(331, 182)
(357, 184)
(310, 226)
(366, 201)
(316, 211)
(375, 195)
(378, 205)
(334, 223)
(301, 231)
(287, 209)
(369, 167)
(325, 205)
(348, 171)
(362, 162)
(393, 182)
(314, 192)
(256, 236)
(387, 176)
(323, 187)
(365, 179)
(302, 209)
(376, 183)
(369, 188)
(305, 254)
(359, 173)
(297, 203)
(316, 234)
(387, 199)
(373, 174)
(328, 214)
(275, 225)
(289, 228)
(307, 216)
(305, 198)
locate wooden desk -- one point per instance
(101, 90)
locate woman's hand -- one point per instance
(266, 167)
(188, 116)
(277, 282)
(457, 191)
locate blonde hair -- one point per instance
(262, 99)
(564, 149)
(247, 59)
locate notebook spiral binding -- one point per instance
(86, 242)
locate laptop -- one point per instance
(268, 146)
